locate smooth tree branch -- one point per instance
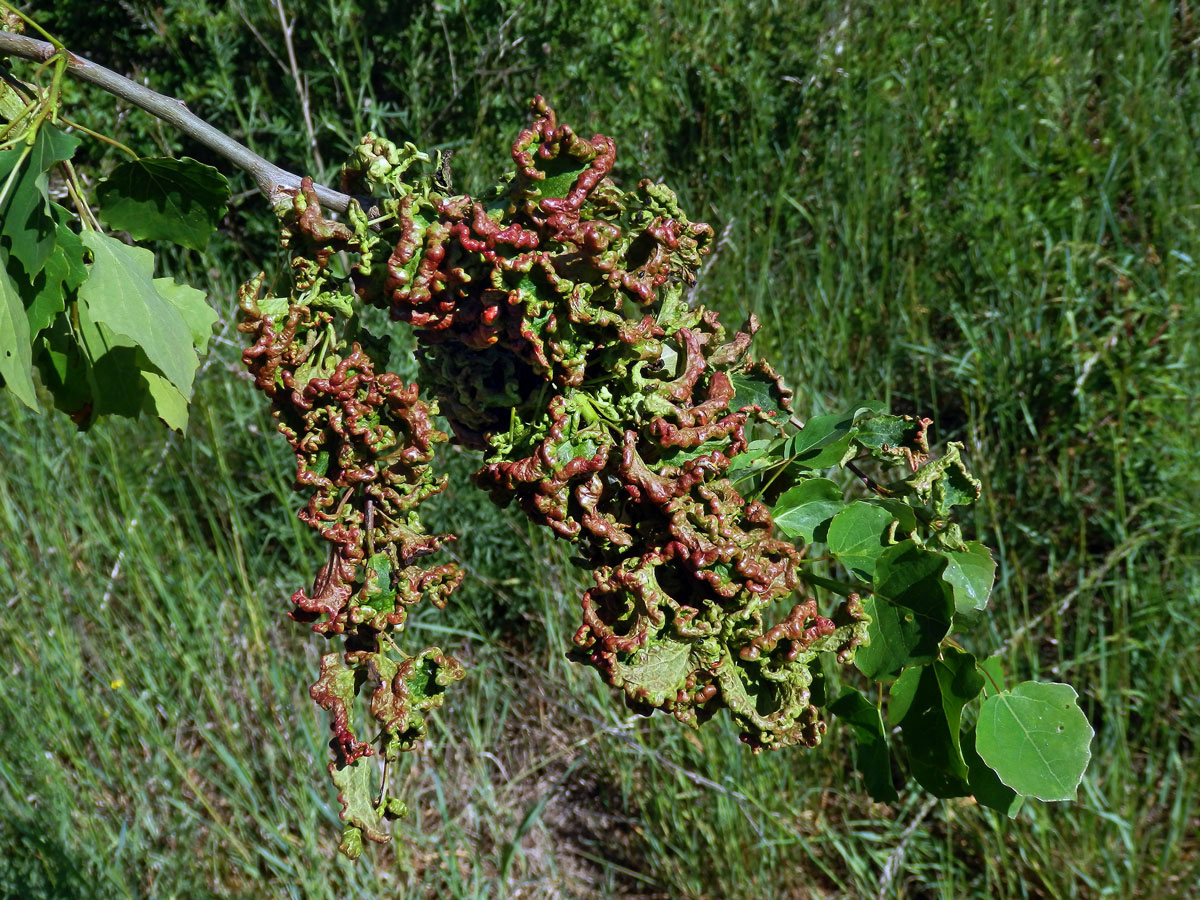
(271, 180)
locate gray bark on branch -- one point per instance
(271, 180)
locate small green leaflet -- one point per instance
(121, 295)
(64, 369)
(871, 755)
(760, 391)
(857, 535)
(1036, 738)
(25, 219)
(823, 441)
(804, 511)
(43, 298)
(16, 357)
(160, 198)
(970, 574)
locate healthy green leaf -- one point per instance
(192, 305)
(161, 198)
(164, 400)
(910, 611)
(25, 210)
(871, 755)
(805, 510)
(44, 298)
(910, 577)
(1036, 738)
(905, 515)
(856, 537)
(970, 574)
(986, 786)
(920, 706)
(16, 357)
(120, 294)
(824, 441)
(115, 371)
(65, 371)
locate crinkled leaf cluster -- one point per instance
(364, 441)
(554, 327)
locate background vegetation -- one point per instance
(984, 213)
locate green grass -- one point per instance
(986, 214)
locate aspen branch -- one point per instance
(271, 179)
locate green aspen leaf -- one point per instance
(16, 355)
(193, 306)
(161, 198)
(970, 574)
(910, 611)
(65, 371)
(164, 400)
(61, 275)
(120, 294)
(1036, 738)
(358, 784)
(878, 432)
(872, 757)
(986, 786)
(756, 389)
(74, 252)
(910, 577)
(927, 703)
(905, 515)
(891, 636)
(805, 510)
(118, 388)
(25, 220)
(856, 537)
(822, 442)
(893, 438)
(44, 298)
